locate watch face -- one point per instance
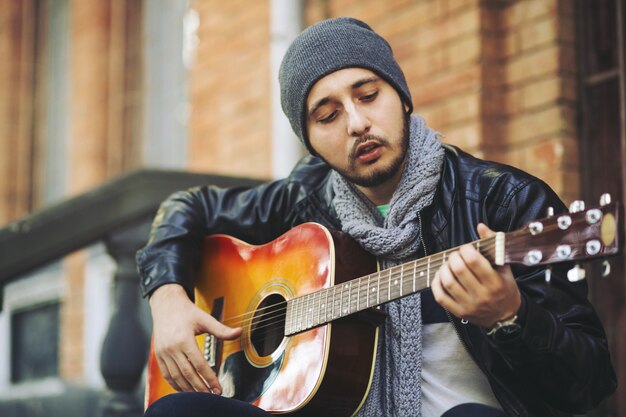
(508, 331)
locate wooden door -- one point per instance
(602, 132)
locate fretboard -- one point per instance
(323, 306)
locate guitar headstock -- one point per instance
(577, 236)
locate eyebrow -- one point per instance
(354, 86)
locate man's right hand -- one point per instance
(176, 322)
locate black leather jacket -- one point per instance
(560, 361)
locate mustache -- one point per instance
(363, 139)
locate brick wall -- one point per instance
(229, 88)
(496, 78)
(104, 115)
(539, 89)
(17, 44)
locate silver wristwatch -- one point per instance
(505, 327)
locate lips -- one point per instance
(368, 151)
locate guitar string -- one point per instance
(442, 254)
(308, 325)
(382, 279)
(383, 287)
(487, 247)
(365, 281)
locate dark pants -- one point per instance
(198, 404)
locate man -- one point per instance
(485, 342)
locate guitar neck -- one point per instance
(323, 306)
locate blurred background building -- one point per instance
(95, 92)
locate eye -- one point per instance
(369, 97)
(329, 118)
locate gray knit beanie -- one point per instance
(324, 48)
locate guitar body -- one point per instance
(325, 370)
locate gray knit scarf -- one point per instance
(396, 388)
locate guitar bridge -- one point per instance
(210, 349)
(213, 346)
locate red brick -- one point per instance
(521, 12)
(548, 122)
(229, 126)
(456, 6)
(467, 136)
(540, 93)
(466, 50)
(538, 33)
(447, 85)
(538, 63)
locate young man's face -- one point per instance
(357, 123)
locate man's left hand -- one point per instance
(468, 286)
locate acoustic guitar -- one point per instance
(306, 302)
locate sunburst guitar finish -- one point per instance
(323, 370)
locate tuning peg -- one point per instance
(606, 269)
(605, 199)
(577, 273)
(548, 276)
(576, 206)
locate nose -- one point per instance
(358, 122)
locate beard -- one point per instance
(380, 176)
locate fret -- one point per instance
(332, 303)
(319, 299)
(372, 292)
(337, 303)
(346, 309)
(325, 305)
(414, 271)
(401, 278)
(367, 294)
(299, 314)
(318, 308)
(428, 272)
(294, 314)
(311, 305)
(341, 302)
(307, 310)
(338, 311)
(303, 312)
(378, 289)
(312, 310)
(304, 308)
(358, 295)
(329, 303)
(389, 284)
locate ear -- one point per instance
(406, 108)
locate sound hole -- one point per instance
(268, 325)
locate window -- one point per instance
(35, 343)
